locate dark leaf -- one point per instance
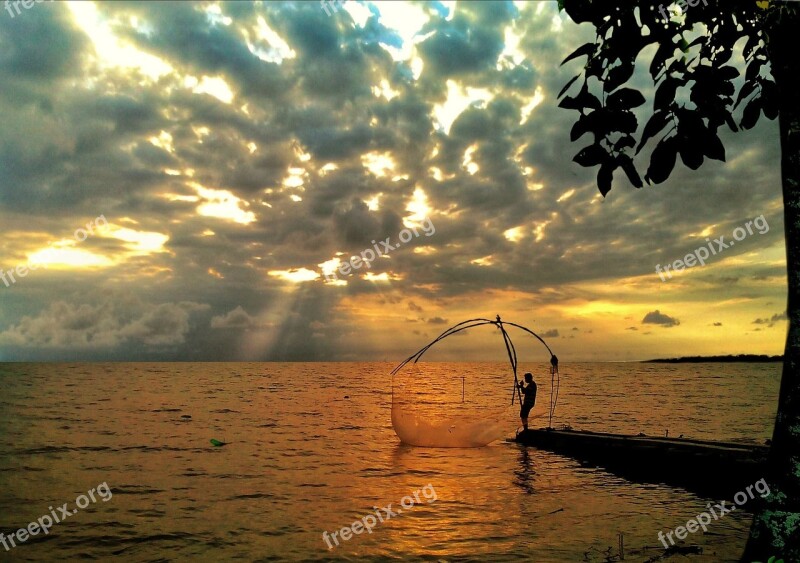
(731, 123)
(625, 142)
(716, 116)
(691, 150)
(587, 100)
(665, 94)
(604, 177)
(566, 87)
(595, 67)
(618, 75)
(752, 44)
(751, 113)
(584, 50)
(704, 73)
(713, 147)
(662, 161)
(582, 126)
(728, 72)
(726, 89)
(769, 100)
(581, 11)
(748, 88)
(664, 52)
(591, 156)
(690, 124)
(625, 98)
(570, 103)
(630, 170)
(703, 92)
(753, 70)
(726, 33)
(623, 121)
(698, 41)
(722, 56)
(656, 123)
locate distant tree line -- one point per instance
(708, 359)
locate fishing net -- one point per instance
(432, 406)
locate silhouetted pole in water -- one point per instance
(512, 357)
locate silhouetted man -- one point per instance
(529, 392)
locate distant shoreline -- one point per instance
(749, 358)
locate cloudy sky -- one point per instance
(182, 176)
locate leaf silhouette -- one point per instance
(662, 161)
(618, 76)
(591, 156)
(626, 163)
(566, 87)
(656, 123)
(583, 50)
(714, 148)
(625, 98)
(751, 113)
(605, 176)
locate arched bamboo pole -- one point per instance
(555, 379)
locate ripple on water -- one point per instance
(299, 462)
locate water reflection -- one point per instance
(524, 475)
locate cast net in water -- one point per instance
(433, 406)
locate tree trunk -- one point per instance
(776, 525)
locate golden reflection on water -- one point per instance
(311, 449)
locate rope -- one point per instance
(555, 384)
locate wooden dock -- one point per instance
(706, 467)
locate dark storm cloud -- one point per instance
(183, 34)
(358, 224)
(468, 44)
(237, 318)
(39, 45)
(107, 324)
(336, 144)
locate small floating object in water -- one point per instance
(215, 442)
(347, 396)
(186, 416)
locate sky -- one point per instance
(188, 181)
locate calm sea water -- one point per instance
(310, 448)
